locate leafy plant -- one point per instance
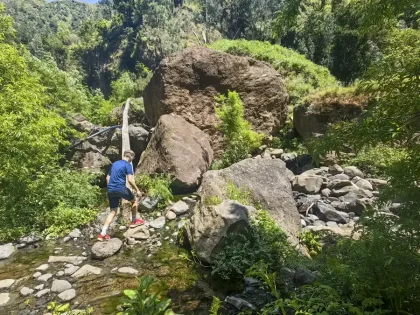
(215, 306)
(311, 242)
(143, 302)
(241, 195)
(240, 139)
(156, 186)
(58, 309)
(212, 201)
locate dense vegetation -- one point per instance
(65, 57)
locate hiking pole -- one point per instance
(91, 136)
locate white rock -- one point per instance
(170, 215)
(45, 277)
(87, 270)
(75, 233)
(60, 273)
(39, 287)
(75, 260)
(128, 270)
(42, 293)
(37, 274)
(59, 286)
(122, 228)
(70, 270)
(158, 223)
(43, 267)
(7, 283)
(6, 250)
(25, 291)
(180, 207)
(67, 295)
(4, 298)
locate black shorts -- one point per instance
(114, 197)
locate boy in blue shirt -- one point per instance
(120, 172)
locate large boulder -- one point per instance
(180, 149)
(211, 225)
(265, 181)
(186, 84)
(321, 110)
(102, 250)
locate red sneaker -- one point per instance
(104, 238)
(138, 222)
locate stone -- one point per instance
(37, 274)
(210, 226)
(6, 283)
(338, 184)
(66, 239)
(335, 169)
(122, 228)
(240, 304)
(180, 207)
(59, 286)
(312, 119)
(304, 277)
(326, 192)
(344, 191)
(180, 149)
(340, 177)
(45, 277)
(42, 293)
(319, 223)
(307, 184)
(312, 217)
(40, 287)
(353, 171)
(378, 184)
(76, 233)
(303, 223)
(331, 223)
(187, 82)
(170, 215)
(75, 260)
(87, 270)
(60, 273)
(138, 233)
(102, 250)
(158, 223)
(25, 291)
(28, 240)
(149, 203)
(275, 152)
(71, 270)
(305, 202)
(266, 183)
(4, 298)
(67, 296)
(6, 251)
(328, 213)
(128, 271)
(43, 267)
(362, 183)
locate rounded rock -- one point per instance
(67, 295)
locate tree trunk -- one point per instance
(125, 205)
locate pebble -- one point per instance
(75, 233)
(6, 250)
(122, 228)
(39, 287)
(43, 267)
(67, 295)
(59, 286)
(60, 273)
(87, 270)
(25, 291)
(7, 283)
(70, 270)
(37, 274)
(75, 260)
(158, 223)
(4, 298)
(66, 239)
(128, 270)
(42, 293)
(45, 277)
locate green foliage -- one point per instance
(319, 300)
(156, 186)
(240, 139)
(311, 242)
(124, 87)
(58, 309)
(241, 195)
(143, 302)
(302, 76)
(212, 201)
(264, 241)
(215, 306)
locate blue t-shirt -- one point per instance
(118, 174)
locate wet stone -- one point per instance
(45, 277)
(4, 298)
(67, 295)
(42, 293)
(43, 267)
(25, 291)
(7, 283)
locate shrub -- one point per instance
(156, 186)
(265, 241)
(311, 242)
(58, 309)
(302, 76)
(240, 139)
(143, 302)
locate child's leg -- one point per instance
(108, 221)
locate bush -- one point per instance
(156, 186)
(240, 139)
(302, 76)
(265, 241)
(58, 309)
(143, 302)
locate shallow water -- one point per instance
(188, 284)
